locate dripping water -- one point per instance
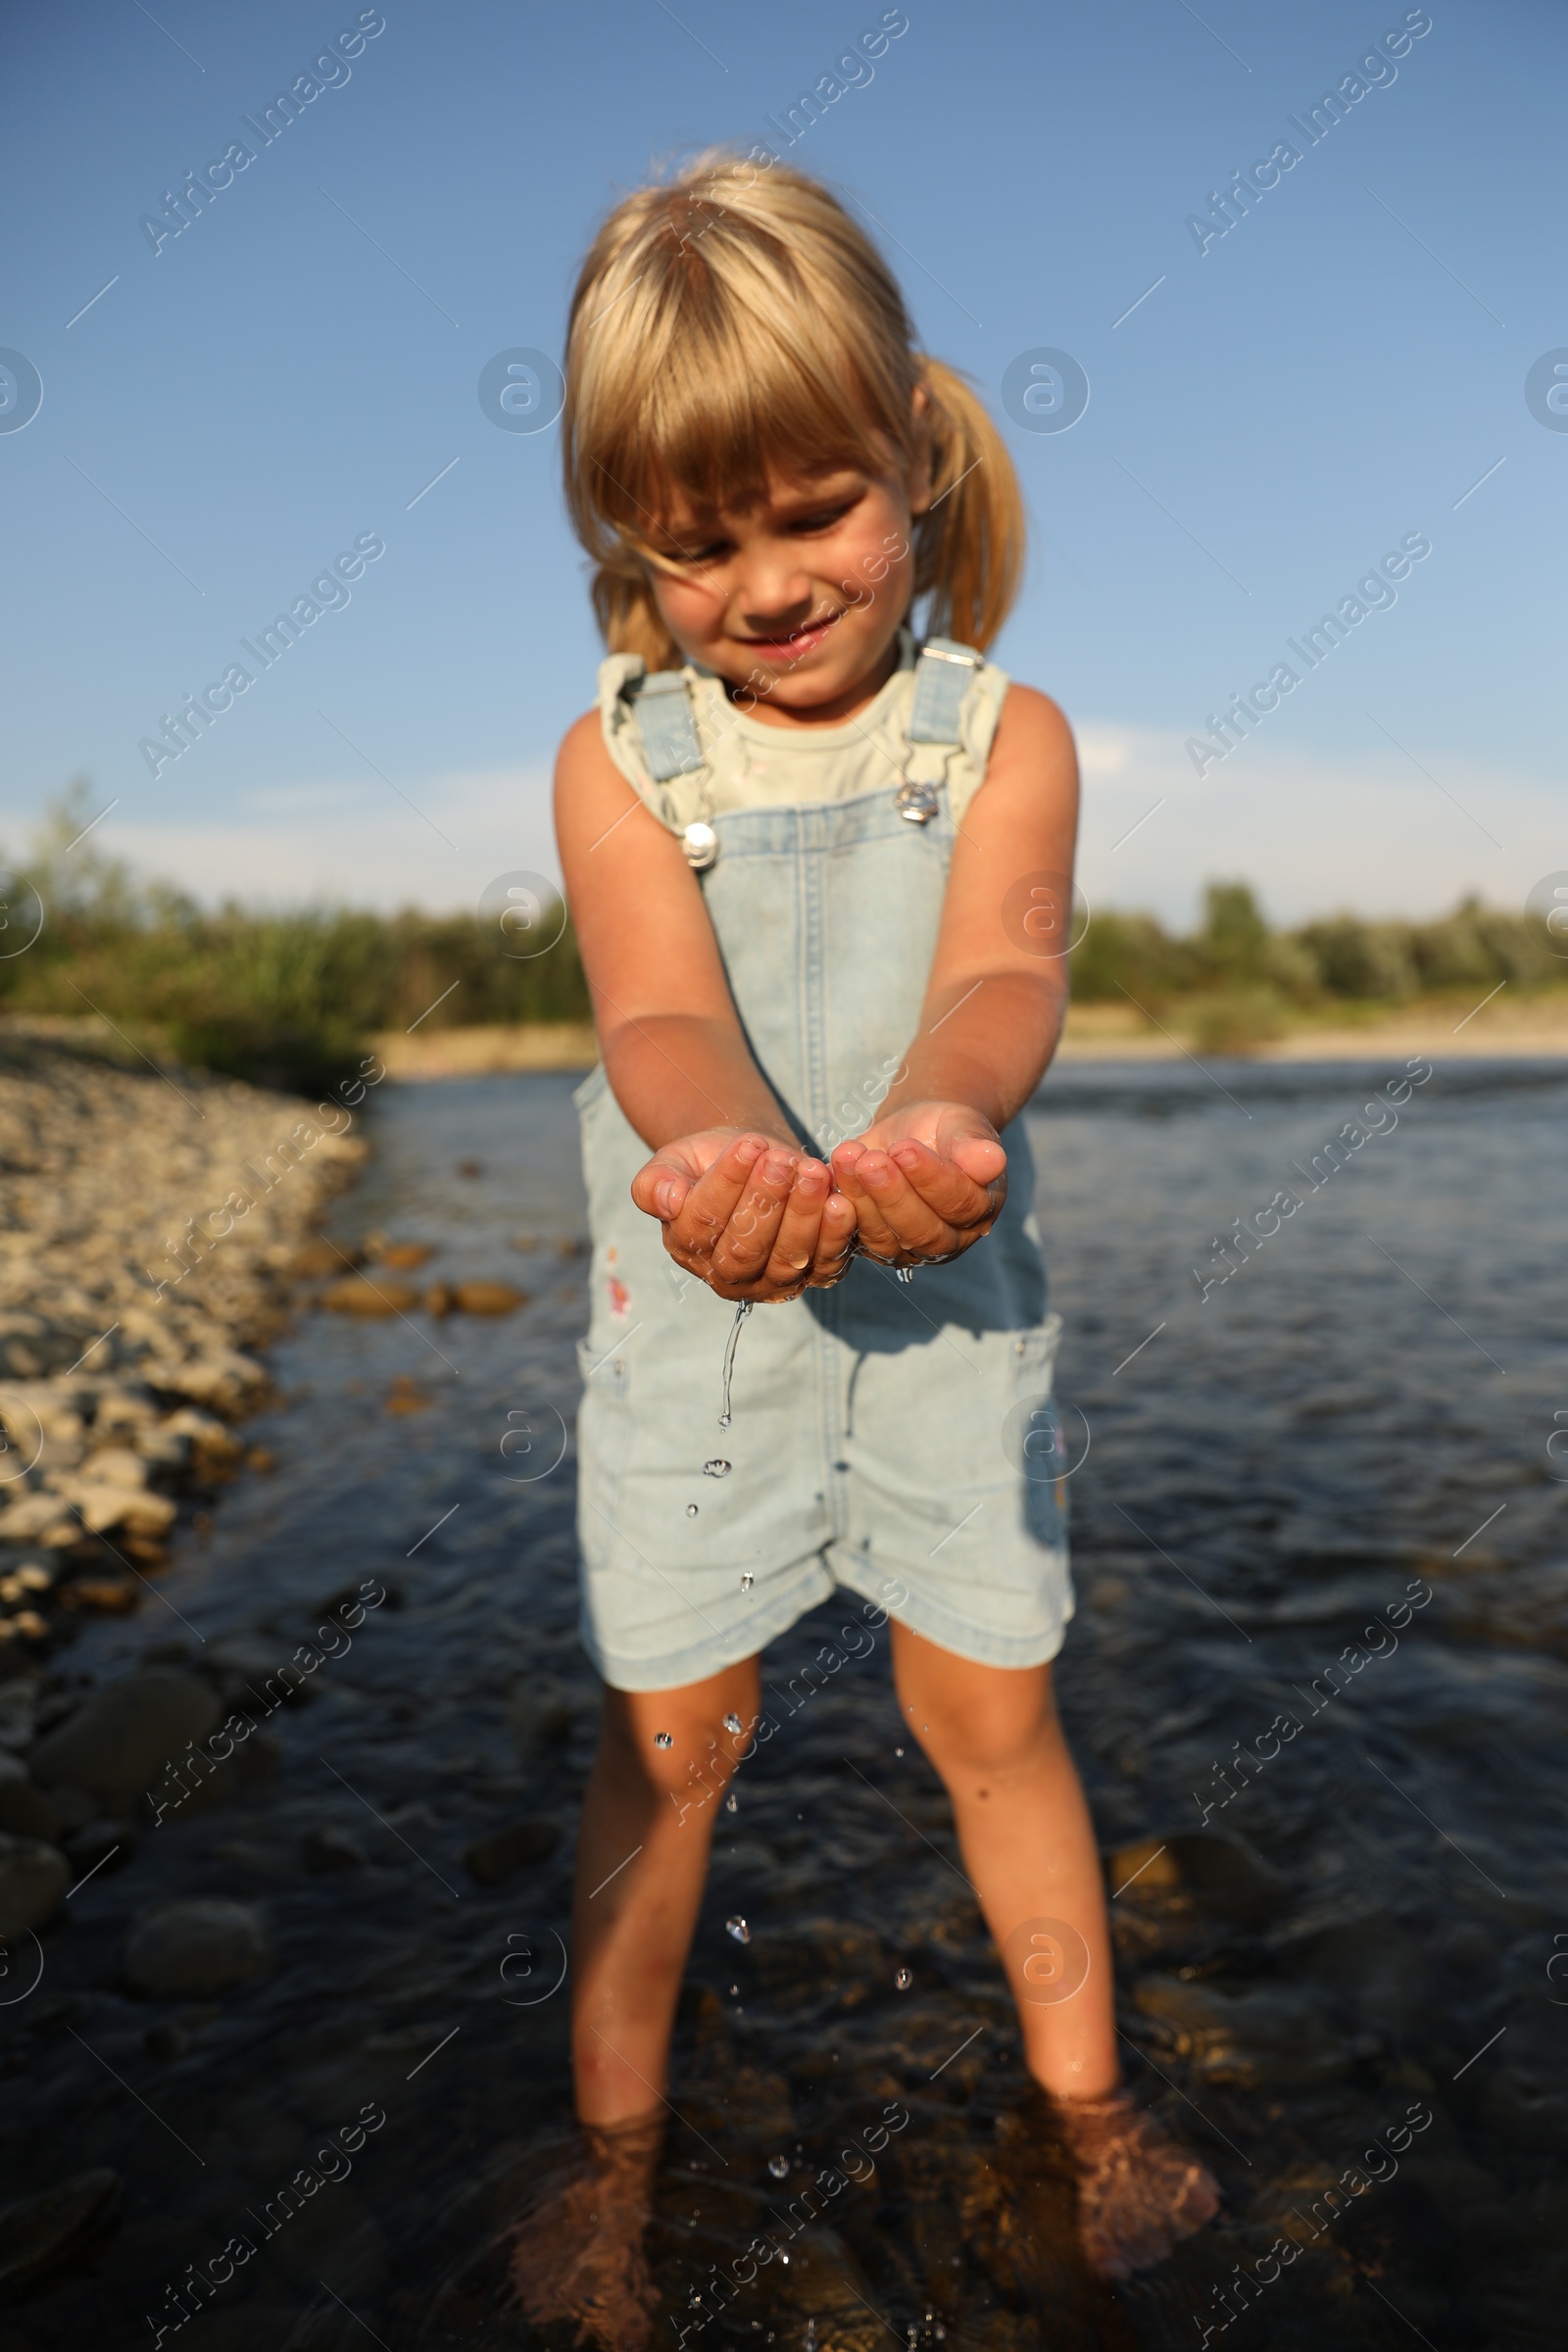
(733, 1342)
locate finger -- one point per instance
(946, 1188)
(914, 1224)
(871, 1229)
(979, 1156)
(743, 1248)
(712, 1201)
(794, 1242)
(835, 1243)
(660, 1188)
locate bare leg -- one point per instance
(992, 1734)
(1024, 1828)
(642, 1860)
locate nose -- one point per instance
(774, 589)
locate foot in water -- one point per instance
(580, 2254)
(1138, 2190)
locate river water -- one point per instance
(1339, 1454)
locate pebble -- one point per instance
(404, 1257)
(195, 1948)
(488, 1298)
(368, 1295)
(33, 1877)
(119, 1743)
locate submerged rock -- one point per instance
(330, 1848)
(33, 1877)
(368, 1294)
(208, 1944)
(37, 2233)
(488, 1298)
(1271, 2037)
(119, 1743)
(495, 1857)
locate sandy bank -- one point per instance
(1520, 1027)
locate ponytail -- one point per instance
(969, 543)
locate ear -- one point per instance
(917, 473)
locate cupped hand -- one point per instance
(926, 1183)
(753, 1218)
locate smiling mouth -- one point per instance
(795, 644)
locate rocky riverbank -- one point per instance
(151, 1223)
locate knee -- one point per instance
(981, 1736)
(697, 1763)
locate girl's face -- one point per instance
(798, 597)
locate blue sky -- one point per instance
(288, 375)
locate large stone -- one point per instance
(39, 2231)
(33, 1877)
(196, 1948)
(121, 1741)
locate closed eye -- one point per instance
(806, 525)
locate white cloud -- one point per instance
(1370, 833)
(433, 843)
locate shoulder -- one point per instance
(1030, 726)
(584, 738)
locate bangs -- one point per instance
(702, 363)
(734, 326)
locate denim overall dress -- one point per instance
(885, 1435)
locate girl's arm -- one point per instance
(930, 1176)
(741, 1205)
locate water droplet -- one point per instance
(903, 1979)
(718, 1467)
(691, 1510)
(904, 1273)
(734, 1991)
(737, 1928)
(898, 1752)
(733, 1722)
(746, 1581)
(778, 2165)
(664, 1738)
(731, 1805)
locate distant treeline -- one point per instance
(291, 998)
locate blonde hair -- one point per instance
(736, 321)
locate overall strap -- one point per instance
(667, 726)
(671, 747)
(943, 677)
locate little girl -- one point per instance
(818, 868)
